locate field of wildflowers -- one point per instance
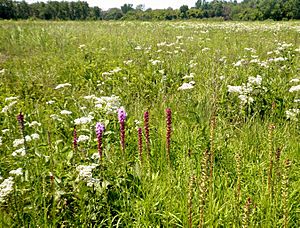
(138, 124)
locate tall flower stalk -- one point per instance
(147, 132)
(75, 143)
(122, 117)
(140, 144)
(20, 119)
(99, 132)
(169, 131)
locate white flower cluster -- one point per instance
(109, 104)
(17, 172)
(186, 86)
(34, 124)
(111, 72)
(245, 90)
(83, 120)
(59, 86)
(83, 138)
(6, 187)
(291, 114)
(65, 112)
(0, 141)
(6, 108)
(85, 173)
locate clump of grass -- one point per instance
(247, 213)
(270, 147)
(190, 200)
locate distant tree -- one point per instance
(22, 10)
(183, 11)
(126, 8)
(7, 10)
(113, 14)
(195, 13)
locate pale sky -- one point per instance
(154, 4)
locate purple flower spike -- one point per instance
(75, 143)
(99, 132)
(169, 131)
(122, 115)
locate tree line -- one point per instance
(224, 10)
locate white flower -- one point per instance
(21, 152)
(2, 71)
(85, 171)
(4, 131)
(83, 120)
(62, 85)
(292, 114)
(138, 48)
(11, 98)
(186, 86)
(109, 104)
(294, 88)
(128, 62)
(90, 97)
(297, 100)
(35, 136)
(0, 141)
(55, 117)
(50, 102)
(255, 80)
(234, 89)
(17, 172)
(295, 80)
(34, 123)
(7, 107)
(83, 138)
(28, 138)
(95, 156)
(65, 112)
(155, 62)
(191, 75)
(81, 46)
(18, 142)
(245, 99)
(6, 187)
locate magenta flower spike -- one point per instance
(122, 117)
(75, 143)
(140, 144)
(169, 131)
(99, 132)
(20, 119)
(147, 132)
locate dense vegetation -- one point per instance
(223, 10)
(211, 136)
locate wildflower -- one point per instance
(122, 117)
(191, 75)
(75, 138)
(294, 88)
(4, 131)
(18, 142)
(8, 107)
(35, 136)
(34, 123)
(6, 187)
(297, 100)
(50, 102)
(28, 138)
(147, 132)
(65, 112)
(99, 132)
(292, 114)
(2, 71)
(234, 89)
(21, 152)
(0, 141)
(83, 138)
(255, 80)
(140, 144)
(186, 86)
(17, 172)
(83, 120)
(169, 131)
(81, 46)
(20, 119)
(295, 80)
(85, 171)
(62, 85)
(55, 117)
(11, 98)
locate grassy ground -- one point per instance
(234, 156)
